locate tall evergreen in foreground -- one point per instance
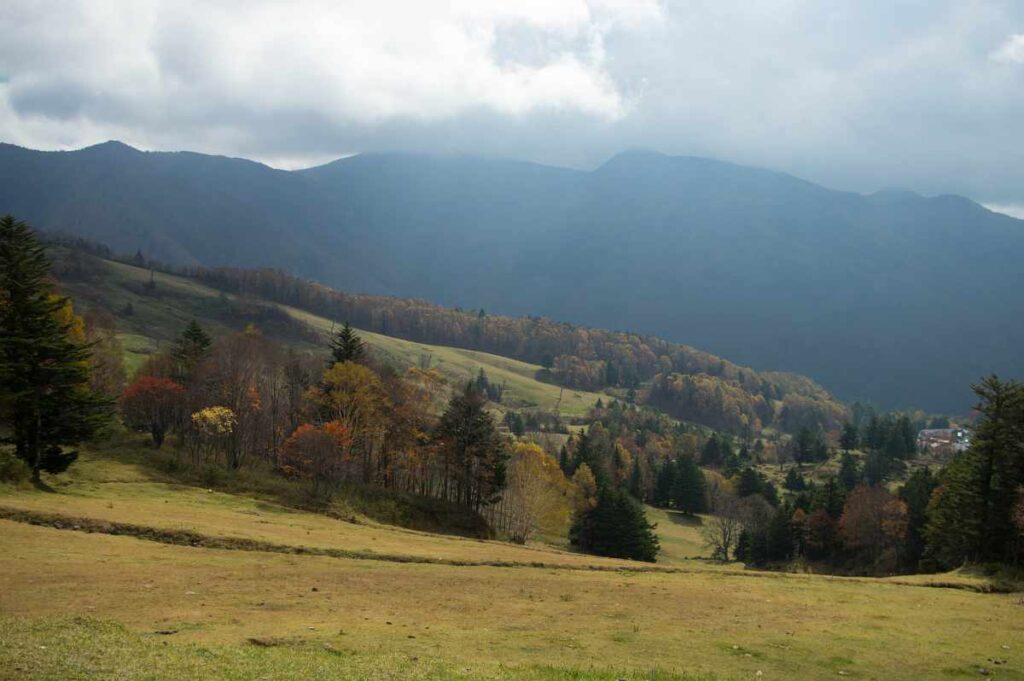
(45, 399)
(347, 346)
(970, 516)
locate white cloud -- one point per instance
(1014, 210)
(1012, 51)
(172, 63)
(855, 94)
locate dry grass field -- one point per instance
(92, 605)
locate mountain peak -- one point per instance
(111, 147)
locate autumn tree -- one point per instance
(210, 434)
(319, 454)
(46, 401)
(354, 395)
(874, 525)
(106, 364)
(583, 490)
(721, 531)
(154, 405)
(536, 499)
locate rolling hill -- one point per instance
(158, 315)
(891, 297)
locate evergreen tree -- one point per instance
(347, 346)
(848, 440)
(45, 399)
(803, 447)
(794, 481)
(664, 484)
(877, 467)
(972, 514)
(689, 487)
(749, 483)
(190, 349)
(849, 472)
(473, 451)
(711, 453)
(636, 482)
(615, 527)
(916, 494)
(564, 463)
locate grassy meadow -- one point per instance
(76, 604)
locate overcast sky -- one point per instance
(854, 94)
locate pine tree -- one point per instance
(664, 484)
(636, 482)
(473, 450)
(849, 472)
(794, 481)
(347, 346)
(191, 348)
(916, 494)
(971, 515)
(45, 399)
(848, 440)
(616, 527)
(689, 487)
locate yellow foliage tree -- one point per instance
(536, 500)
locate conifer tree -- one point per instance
(616, 527)
(45, 399)
(849, 472)
(689, 488)
(848, 440)
(473, 450)
(190, 349)
(970, 517)
(347, 346)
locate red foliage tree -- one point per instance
(152, 404)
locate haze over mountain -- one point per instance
(891, 297)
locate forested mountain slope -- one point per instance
(534, 358)
(892, 297)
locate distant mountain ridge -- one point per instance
(891, 297)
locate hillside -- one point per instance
(890, 297)
(158, 315)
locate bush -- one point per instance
(12, 469)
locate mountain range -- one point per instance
(890, 297)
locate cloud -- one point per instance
(183, 63)
(1014, 210)
(1012, 51)
(855, 94)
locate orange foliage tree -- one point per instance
(874, 524)
(320, 454)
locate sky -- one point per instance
(926, 95)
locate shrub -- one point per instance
(12, 469)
